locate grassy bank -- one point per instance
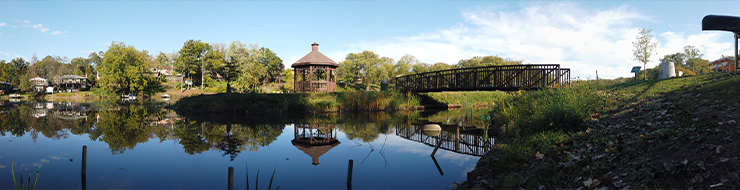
(674, 133)
(329, 102)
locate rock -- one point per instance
(718, 150)
(667, 166)
(731, 122)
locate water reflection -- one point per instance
(315, 139)
(386, 143)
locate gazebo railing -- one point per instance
(314, 86)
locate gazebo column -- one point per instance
(310, 78)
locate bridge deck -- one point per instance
(506, 78)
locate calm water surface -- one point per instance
(145, 146)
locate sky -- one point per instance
(585, 36)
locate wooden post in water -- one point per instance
(349, 174)
(435, 149)
(231, 178)
(457, 138)
(84, 167)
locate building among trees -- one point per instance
(315, 72)
(725, 64)
(39, 83)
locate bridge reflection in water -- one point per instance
(465, 140)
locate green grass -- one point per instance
(648, 134)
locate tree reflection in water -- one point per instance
(232, 139)
(123, 127)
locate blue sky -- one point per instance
(583, 35)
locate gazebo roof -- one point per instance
(314, 151)
(315, 58)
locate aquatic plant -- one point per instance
(256, 180)
(36, 179)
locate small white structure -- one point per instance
(431, 129)
(667, 70)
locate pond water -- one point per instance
(146, 146)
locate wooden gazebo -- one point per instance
(315, 139)
(315, 72)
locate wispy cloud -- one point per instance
(57, 32)
(26, 21)
(565, 33)
(38, 26)
(44, 29)
(709, 43)
(2, 24)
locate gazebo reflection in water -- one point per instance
(315, 139)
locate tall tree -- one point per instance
(420, 68)
(287, 80)
(644, 48)
(191, 60)
(4, 68)
(95, 60)
(491, 60)
(79, 65)
(440, 66)
(691, 52)
(367, 65)
(676, 58)
(698, 65)
(17, 71)
(404, 65)
(273, 64)
(244, 57)
(123, 69)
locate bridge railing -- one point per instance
(507, 77)
(469, 144)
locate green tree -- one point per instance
(698, 65)
(644, 47)
(491, 60)
(249, 69)
(367, 65)
(95, 60)
(17, 71)
(4, 68)
(288, 80)
(79, 65)
(404, 65)
(676, 58)
(192, 59)
(272, 63)
(420, 68)
(691, 52)
(440, 66)
(123, 69)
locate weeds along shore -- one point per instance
(614, 134)
(332, 101)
